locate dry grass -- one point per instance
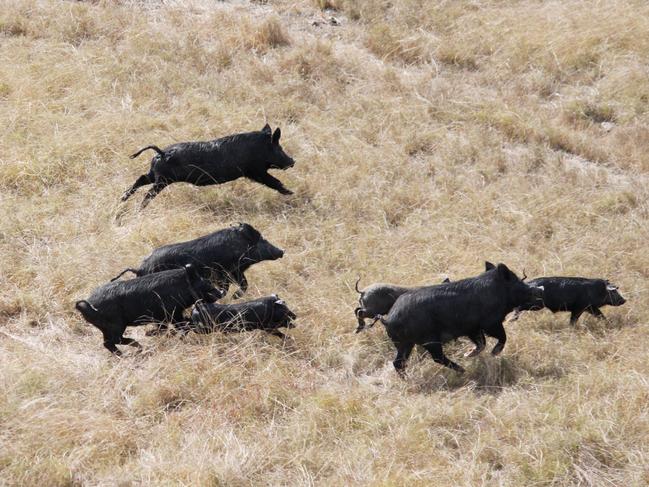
(429, 136)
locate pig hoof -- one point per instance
(496, 350)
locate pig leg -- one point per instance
(242, 282)
(403, 352)
(596, 313)
(574, 316)
(110, 339)
(153, 192)
(129, 341)
(141, 181)
(274, 183)
(359, 316)
(110, 345)
(480, 343)
(498, 332)
(437, 352)
(278, 334)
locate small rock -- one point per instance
(607, 126)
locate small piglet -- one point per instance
(268, 313)
(574, 294)
(158, 297)
(223, 255)
(248, 155)
(377, 299)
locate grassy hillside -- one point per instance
(428, 137)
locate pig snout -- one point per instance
(287, 315)
(290, 316)
(615, 298)
(268, 251)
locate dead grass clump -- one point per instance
(269, 34)
(513, 125)
(572, 142)
(582, 110)
(390, 43)
(625, 84)
(13, 27)
(617, 203)
(330, 4)
(629, 144)
(456, 55)
(314, 62)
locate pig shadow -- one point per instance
(484, 374)
(253, 205)
(230, 203)
(587, 325)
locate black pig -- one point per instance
(434, 315)
(217, 161)
(158, 297)
(268, 313)
(223, 255)
(574, 294)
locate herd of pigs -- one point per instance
(197, 273)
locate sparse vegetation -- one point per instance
(428, 137)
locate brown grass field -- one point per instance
(429, 136)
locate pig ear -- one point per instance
(611, 287)
(277, 135)
(266, 129)
(488, 266)
(250, 233)
(446, 280)
(504, 272)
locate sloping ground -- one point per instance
(428, 137)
